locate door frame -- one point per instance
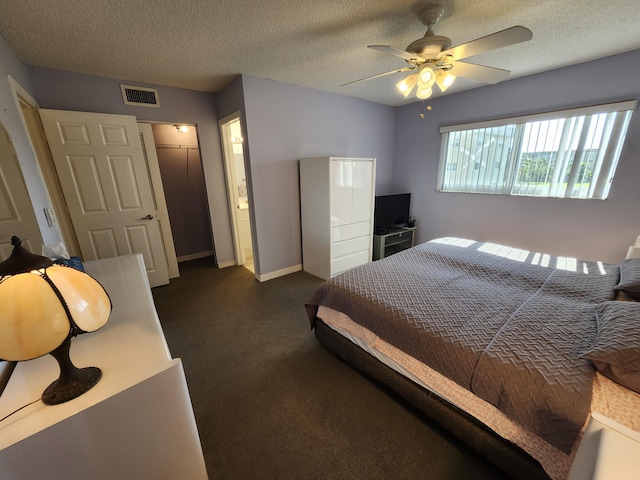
(232, 194)
(28, 112)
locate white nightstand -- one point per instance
(609, 451)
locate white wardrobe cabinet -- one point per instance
(337, 199)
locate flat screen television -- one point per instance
(391, 211)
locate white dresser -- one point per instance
(337, 200)
(136, 423)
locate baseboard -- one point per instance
(195, 256)
(278, 273)
(230, 263)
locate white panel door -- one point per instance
(159, 201)
(106, 185)
(16, 211)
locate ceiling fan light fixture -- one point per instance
(405, 86)
(434, 57)
(426, 75)
(444, 79)
(424, 93)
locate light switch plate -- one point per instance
(50, 216)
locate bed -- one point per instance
(510, 350)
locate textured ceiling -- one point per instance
(321, 44)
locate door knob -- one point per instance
(148, 217)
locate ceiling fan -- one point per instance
(435, 61)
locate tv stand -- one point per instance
(396, 240)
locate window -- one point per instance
(570, 153)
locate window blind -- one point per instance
(571, 153)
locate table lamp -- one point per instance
(44, 305)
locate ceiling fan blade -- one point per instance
(481, 73)
(500, 39)
(394, 51)
(404, 69)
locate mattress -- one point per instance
(480, 314)
(609, 398)
(494, 330)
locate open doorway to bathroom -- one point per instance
(239, 205)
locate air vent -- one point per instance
(141, 96)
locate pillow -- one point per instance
(615, 352)
(630, 277)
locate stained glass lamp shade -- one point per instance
(44, 305)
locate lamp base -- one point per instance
(63, 390)
(73, 381)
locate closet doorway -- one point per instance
(185, 191)
(237, 189)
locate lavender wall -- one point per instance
(231, 98)
(11, 119)
(285, 123)
(62, 90)
(282, 124)
(589, 229)
(230, 101)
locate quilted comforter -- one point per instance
(506, 324)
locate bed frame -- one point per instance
(505, 455)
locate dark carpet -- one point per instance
(271, 403)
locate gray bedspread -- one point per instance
(507, 325)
